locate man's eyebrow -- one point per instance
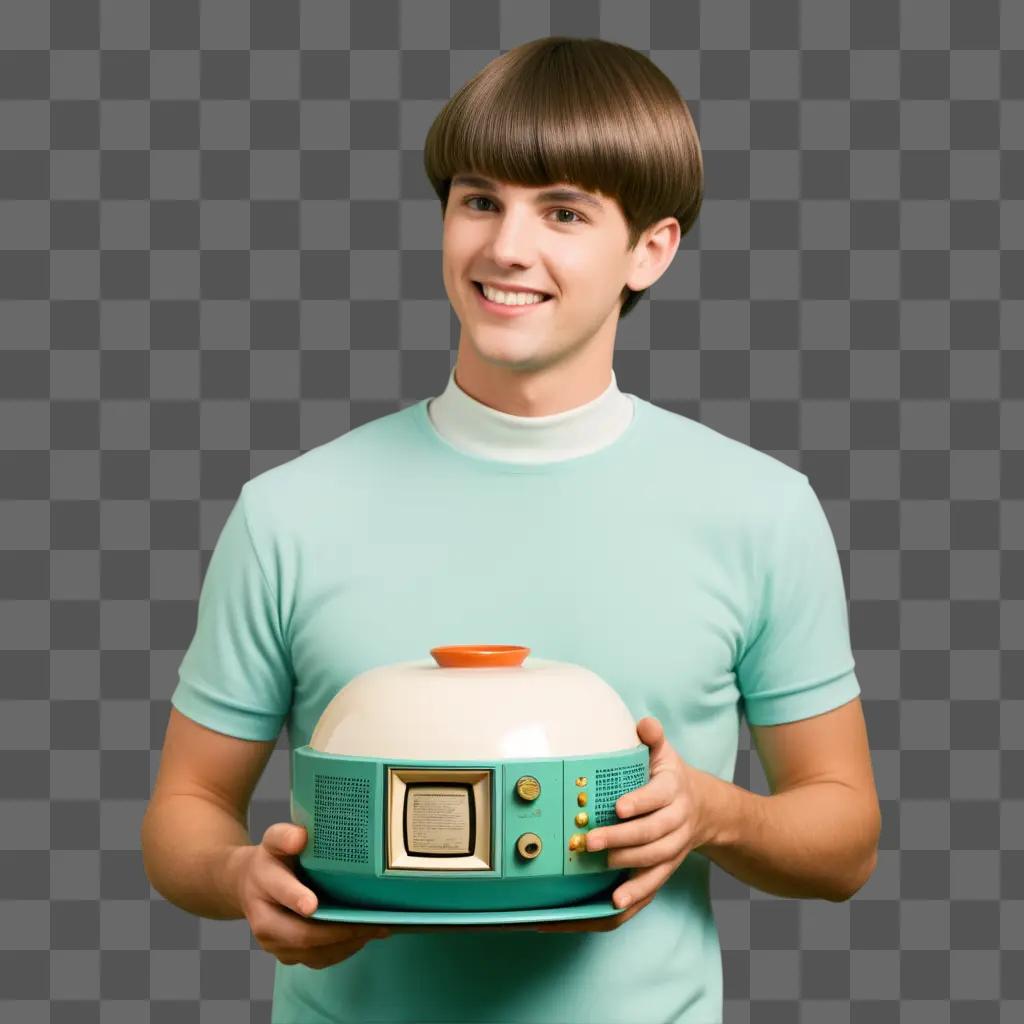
(554, 195)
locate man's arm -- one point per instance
(196, 817)
(816, 836)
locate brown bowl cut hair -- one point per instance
(589, 112)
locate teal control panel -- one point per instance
(531, 796)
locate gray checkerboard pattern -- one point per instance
(218, 249)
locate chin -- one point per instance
(505, 345)
(517, 362)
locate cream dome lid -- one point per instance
(478, 701)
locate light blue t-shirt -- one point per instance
(695, 574)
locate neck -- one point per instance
(572, 382)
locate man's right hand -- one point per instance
(276, 904)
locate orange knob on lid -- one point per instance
(479, 655)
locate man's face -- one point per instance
(571, 247)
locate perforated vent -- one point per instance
(341, 819)
(609, 785)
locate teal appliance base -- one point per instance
(598, 907)
(388, 836)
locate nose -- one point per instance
(512, 243)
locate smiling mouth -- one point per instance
(480, 288)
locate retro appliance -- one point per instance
(459, 789)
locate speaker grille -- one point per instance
(609, 785)
(341, 819)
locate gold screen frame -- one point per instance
(479, 780)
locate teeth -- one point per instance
(512, 298)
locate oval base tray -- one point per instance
(598, 907)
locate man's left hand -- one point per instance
(666, 819)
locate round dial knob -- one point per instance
(529, 845)
(528, 788)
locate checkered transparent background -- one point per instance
(218, 249)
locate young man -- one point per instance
(534, 502)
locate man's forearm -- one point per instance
(813, 842)
(187, 843)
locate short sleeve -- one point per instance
(235, 676)
(797, 661)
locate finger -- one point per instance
(633, 910)
(659, 791)
(590, 925)
(598, 924)
(283, 839)
(650, 730)
(289, 932)
(320, 933)
(646, 855)
(324, 933)
(648, 829)
(568, 926)
(279, 884)
(652, 734)
(325, 956)
(643, 884)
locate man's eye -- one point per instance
(579, 219)
(484, 199)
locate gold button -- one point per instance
(528, 788)
(581, 780)
(578, 842)
(582, 818)
(581, 799)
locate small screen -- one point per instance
(439, 819)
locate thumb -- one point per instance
(650, 730)
(283, 839)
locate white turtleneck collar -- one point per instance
(477, 428)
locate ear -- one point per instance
(653, 253)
